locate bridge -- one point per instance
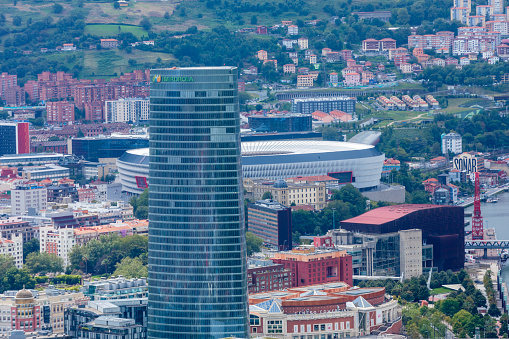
(486, 244)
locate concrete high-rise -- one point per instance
(197, 249)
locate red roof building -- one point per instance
(441, 226)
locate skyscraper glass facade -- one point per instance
(197, 249)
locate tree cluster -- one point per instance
(459, 309)
(478, 73)
(490, 292)
(102, 255)
(346, 203)
(253, 243)
(140, 205)
(43, 262)
(12, 278)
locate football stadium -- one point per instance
(358, 164)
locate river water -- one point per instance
(496, 216)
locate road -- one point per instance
(417, 117)
(262, 95)
(489, 192)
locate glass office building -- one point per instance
(197, 249)
(106, 147)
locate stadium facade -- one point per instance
(358, 164)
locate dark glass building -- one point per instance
(14, 138)
(272, 222)
(442, 226)
(280, 123)
(197, 249)
(106, 147)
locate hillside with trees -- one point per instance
(189, 33)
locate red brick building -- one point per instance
(310, 266)
(7, 81)
(86, 195)
(94, 111)
(268, 278)
(32, 88)
(346, 54)
(49, 146)
(261, 29)
(60, 112)
(15, 96)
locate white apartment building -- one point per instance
(25, 197)
(484, 10)
(303, 43)
(498, 6)
(460, 14)
(13, 248)
(57, 241)
(452, 142)
(304, 81)
(462, 3)
(124, 110)
(293, 30)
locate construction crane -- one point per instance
(477, 221)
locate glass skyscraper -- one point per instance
(197, 249)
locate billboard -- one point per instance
(141, 182)
(463, 163)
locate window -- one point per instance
(275, 326)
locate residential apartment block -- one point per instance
(7, 81)
(127, 110)
(60, 112)
(376, 46)
(271, 277)
(28, 197)
(286, 193)
(13, 247)
(451, 142)
(272, 222)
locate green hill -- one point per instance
(188, 32)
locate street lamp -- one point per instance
(284, 245)
(333, 219)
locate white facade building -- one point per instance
(28, 196)
(452, 142)
(124, 110)
(498, 6)
(13, 248)
(410, 248)
(460, 14)
(57, 241)
(293, 30)
(41, 172)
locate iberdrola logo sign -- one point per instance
(159, 78)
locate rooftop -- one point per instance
(322, 99)
(386, 214)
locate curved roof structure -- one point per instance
(356, 163)
(293, 150)
(24, 294)
(303, 151)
